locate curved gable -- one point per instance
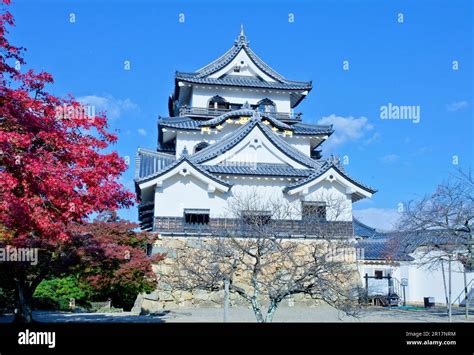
(184, 167)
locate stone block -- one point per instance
(194, 243)
(153, 296)
(217, 297)
(151, 307)
(165, 296)
(201, 295)
(186, 304)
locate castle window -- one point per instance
(196, 216)
(200, 146)
(315, 211)
(218, 102)
(235, 106)
(266, 105)
(256, 218)
(378, 274)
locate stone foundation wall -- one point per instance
(166, 297)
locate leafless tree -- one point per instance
(439, 226)
(264, 268)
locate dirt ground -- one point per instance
(242, 314)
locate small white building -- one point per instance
(406, 259)
(232, 130)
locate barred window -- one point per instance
(256, 217)
(196, 216)
(313, 210)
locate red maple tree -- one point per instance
(53, 171)
(114, 259)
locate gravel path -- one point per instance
(242, 314)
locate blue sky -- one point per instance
(408, 63)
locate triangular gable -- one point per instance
(247, 68)
(242, 137)
(334, 175)
(184, 167)
(255, 148)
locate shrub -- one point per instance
(56, 293)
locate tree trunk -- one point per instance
(226, 300)
(271, 311)
(23, 312)
(256, 310)
(450, 290)
(445, 287)
(466, 294)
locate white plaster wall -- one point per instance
(189, 139)
(300, 143)
(256, 148)
(339, 203)
(201, 96)
(422, 281)
(178, 193)
(428, 282)
(248, 68)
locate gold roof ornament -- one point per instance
(229, 120)
(266, 122)
(219, 127)
(244, 120)
(274, 129)
(206, 129)
(288, 133)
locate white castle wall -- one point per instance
(178, 193)
(423, 281)
(191, 139)
(300, 143)
(201, 96)
(247, 68)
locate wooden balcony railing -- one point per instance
(213, 112)
(176, 226)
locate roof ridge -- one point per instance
(235, 137)
(286, 171)
(241, 44)
(282, 85)
(200, 156)
(244, 111)
(358, 221)
(325, 167)
(176, 163)
(302, 124)
(146, 151)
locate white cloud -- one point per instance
(346, 129)
(383, 219)
(113, 107)
(457, 105)
(374, 137)
(390, 158)
(141, 131)
(423, 150)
